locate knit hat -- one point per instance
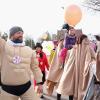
(38, 45)
(14, 30)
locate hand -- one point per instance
(48, 68)
(39, 89)
(74, 46)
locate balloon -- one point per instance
(72, 15)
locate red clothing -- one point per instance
(43, 61)
(63, 54)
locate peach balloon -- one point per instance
(72, 15)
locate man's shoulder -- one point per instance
(27, 47)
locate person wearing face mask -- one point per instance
(18, 61)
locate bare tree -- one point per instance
(29, 42)
(92, 4)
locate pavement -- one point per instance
(53, 97)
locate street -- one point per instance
(53, 97)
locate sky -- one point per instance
(38, 16)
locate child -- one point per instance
(43, 62)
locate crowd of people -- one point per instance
(69, 67)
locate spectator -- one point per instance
(43, 61)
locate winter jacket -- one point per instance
(43, 61)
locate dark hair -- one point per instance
(66, 26)
(38, 45)
(97, 37)
(80, 39)
(41, 54)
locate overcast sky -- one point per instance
(38, 16)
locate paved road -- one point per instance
(53, 97)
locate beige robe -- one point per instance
(98, 67)
(76, 74)
(55, 71)
(98, 61)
